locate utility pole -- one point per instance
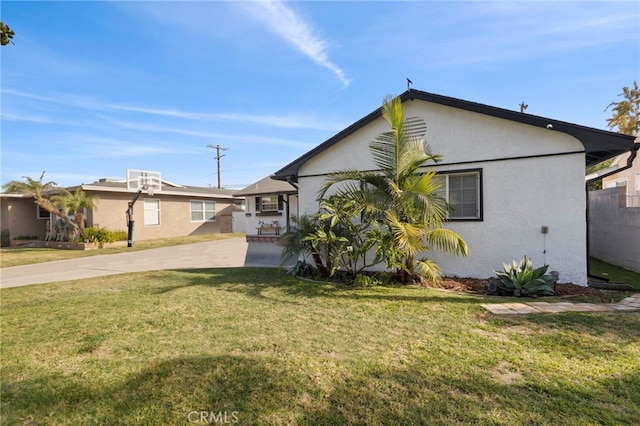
(218, 148)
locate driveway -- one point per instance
(211, 254)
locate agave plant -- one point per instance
(521, 279)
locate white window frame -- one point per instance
(151, 211)
(616, 183)
(272, 205)
(203, 210)
(444, 192)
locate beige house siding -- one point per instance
(20, 216)
(19, 213)
(629, 178)
(175, 216)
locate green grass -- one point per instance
(614, 273)
(15, 256)
(266, 348)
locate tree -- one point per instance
(626, 113)
(75, 202)
(626, 118)
(39, 190)
(6, 34)
(402, 196)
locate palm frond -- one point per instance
(428, 270)
(448, 241)
(408, 236)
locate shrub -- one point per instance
(104, 235)
(366, 280)
(5, 241)
(521, 279)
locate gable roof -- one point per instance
(267, 185)
(599, 144)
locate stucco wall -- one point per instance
(247, 221)
(520, 194)
(631, 176)
(175, 216)
(20, 216)
(614, 229)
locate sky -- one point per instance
(90, 89)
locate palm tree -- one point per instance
(75, 202)
(39, 190)
(401, 195)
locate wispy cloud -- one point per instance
(285, 121)
(232, 137)
(295, 30)
(27, 118)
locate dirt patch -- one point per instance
(480, 286)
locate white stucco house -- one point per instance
(269, 205)
(516, 181)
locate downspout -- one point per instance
(292, 183)
(634, 153)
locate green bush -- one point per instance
(520, 279)
(5, 240)
(104, 235)
(119, 235)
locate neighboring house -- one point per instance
(269, 206)
(176, 210)
(515, 180)
(614, 213)
(629, 178)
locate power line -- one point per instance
(218, 148)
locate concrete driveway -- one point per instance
(228, 253)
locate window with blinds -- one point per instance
(269, 203)
(462, 192)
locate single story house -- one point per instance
(269, 205)
(516, 180)
(176, 210)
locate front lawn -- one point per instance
(255, 346)
(613, 273)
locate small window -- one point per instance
(203, 211)
(462, 192)
(269, 203)
(151, 212)
(616, 183)
(42, 213)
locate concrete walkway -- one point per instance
(631, 303)
(226, 253)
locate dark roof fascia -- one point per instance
(248, 194)
(599, 144)
(290, 171)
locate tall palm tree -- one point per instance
(39, 190)
(401, 194)
(75, 202)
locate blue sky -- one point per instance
(92, 88)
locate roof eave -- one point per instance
(599, 144)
